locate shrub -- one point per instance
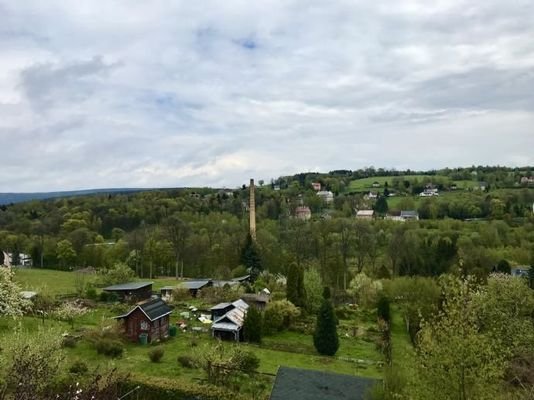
(325, 338)
(78, 368)
(104, 296)
(69, 341)
(382, 309)
(246, 361)
(90, 293)
(186, 361)
(279, 315)
(110, 348)
(253, 325)
(156, 354)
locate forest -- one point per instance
(202, 232)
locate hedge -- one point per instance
(155, 388)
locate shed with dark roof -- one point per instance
(131, 291)
(302, 384)
(150, 317)
(195, 285)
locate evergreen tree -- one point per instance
(253, 325)
(295, 292)
(381, 205)
(325, 338)
(250, 257)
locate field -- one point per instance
(364, 184)
(64, 282)
(357, 355)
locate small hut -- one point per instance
(230, 325)
(131, 291)
(150, 317)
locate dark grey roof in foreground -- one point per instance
(128, 286)
(301, 384)
(153, 309)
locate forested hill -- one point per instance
(478, 216)
(13, 198)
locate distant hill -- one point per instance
(9, 198)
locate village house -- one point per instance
(527, 180)
(303, 384)
(365, 214)
(371, 196)
(150, 318)
(481, 186)
(316, 186)
(303, 213)
(326, 195)
(429, 192)
(24, 260)
(228, 319)
(131, 291)
(376, 184)
(409, 215)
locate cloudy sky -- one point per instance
(190, 93)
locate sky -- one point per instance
(172, 93)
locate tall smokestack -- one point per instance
(252, 210)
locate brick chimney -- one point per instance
(252, 210)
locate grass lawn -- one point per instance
(52, 281)
(357, 355)
(64, 282)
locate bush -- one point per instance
(69, 341)
(104, 296)
(156, 354)
(186, 361)
(110, 348)
(78, 368)
(246, 361)
(382, 309)
(90, 293)
(279, 315)
(253, 325)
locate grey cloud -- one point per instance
(171, 94)
(46, 84)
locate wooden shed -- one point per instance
(131, 291)
(150, 317)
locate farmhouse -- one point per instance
(302, 384)
(303, 213)
(316, 186)
(230, 324)
(150, 317)
(131, 291)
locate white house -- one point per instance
(326, 195)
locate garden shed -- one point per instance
(196, 285)
(150, 318)
(131, 291)
(229, 325)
